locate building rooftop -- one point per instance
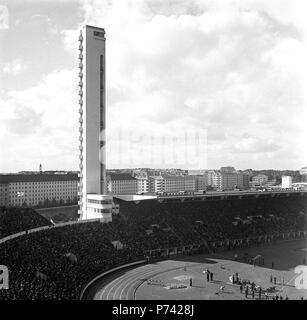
(94, 27)
(121, 176)
(11, 178)
(167, 176)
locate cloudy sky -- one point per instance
(232, 72)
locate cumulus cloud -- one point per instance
(234, 69)
(223, 66)
(255, 145)
(25, 121)
(14, 68)
(41, 124)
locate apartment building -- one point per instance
(227, 180)
(155, 184)
(177, 183)
(143, 185)
(260, 179)
(38, 189)
(121, 183)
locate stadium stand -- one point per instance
(56, 263)
(14, 220)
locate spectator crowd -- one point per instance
(14, 220)
(55, 263)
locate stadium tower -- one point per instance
(93, 201)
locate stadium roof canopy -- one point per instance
(134, 197)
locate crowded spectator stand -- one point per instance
(55, 262)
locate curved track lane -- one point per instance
(125, 286)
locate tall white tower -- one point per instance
(93, 202)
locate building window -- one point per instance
(98, 34)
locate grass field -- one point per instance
(59, 214)
(133, 284)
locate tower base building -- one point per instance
(99, 206)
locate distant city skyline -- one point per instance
(156, 169)
(233, 70)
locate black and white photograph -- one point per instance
(153, 153)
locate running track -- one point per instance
(125, 286)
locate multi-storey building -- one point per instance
(215, 179)
(260, 179)
(38, 189)
(210, 174)
(177, 183)
(143, 185)
(201, 182)
(121, 183)
(234, 180)
(270, 183)
(140, 174)
(245, 180)
(303, 173)
(155, 184)
(228, 180)
(286, 182)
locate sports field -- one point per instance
(170, 279)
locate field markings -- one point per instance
(133, 282)
(113, 284)
(131, 279)
(116, 283)
(295, 275)
(161, 272)
(128, 285)
(109, 284)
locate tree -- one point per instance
(46, 203)
(54, 202)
